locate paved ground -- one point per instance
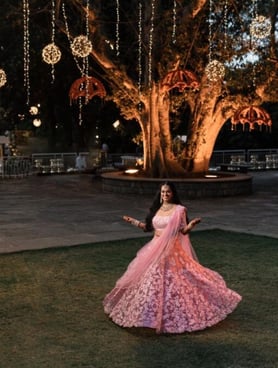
(50, 211)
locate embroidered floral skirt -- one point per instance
(174, 295)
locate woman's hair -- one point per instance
(157, 203)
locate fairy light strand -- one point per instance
(210, 31)
(174, 22)
(53, 37)
(26, 49)
(139, 52)
(85, 71)
(117, 46)
(86, 61)
(151, 43)
(51, 53)
(225, 21)
(253, 46)
(255, 8)
(81, 69)
(87, 18)
(214, 70)
(84, 67)
(81, 46)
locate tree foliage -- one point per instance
(175, 35)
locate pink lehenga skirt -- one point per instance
(167, 289)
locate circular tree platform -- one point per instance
(210, 185)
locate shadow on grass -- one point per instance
(52, 316)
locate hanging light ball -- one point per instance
(260, 27)
(51, 54)
(37, 123)
(3, 78)
(215, 71)
(81, 46)
(33, 110)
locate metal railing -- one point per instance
(256, 159)
(19, 166)
(55, 162)
(15, 167)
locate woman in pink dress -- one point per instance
(165, 287)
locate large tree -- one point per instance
(142, 49)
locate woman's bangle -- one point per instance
(135, 222)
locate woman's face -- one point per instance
(166, 193)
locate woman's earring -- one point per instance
(161, 200)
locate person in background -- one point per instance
(105, 147)
(104, 153)
(165, 287)
(80, 162)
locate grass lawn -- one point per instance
(52, 316)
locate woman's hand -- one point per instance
(190, 225)
(134, 222)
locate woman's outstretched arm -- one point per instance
(135, 222)
(190, 225)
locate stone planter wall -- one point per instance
(235, 184)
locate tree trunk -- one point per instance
(208, 118)
(200, 145)
(159, 160)
(204, 130)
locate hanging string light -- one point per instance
(210, 31)
(3, 78)
(151, 42)
(174, 21)
(253, 44)
(51, 53)
(79, 67)
(81, 47)
(117, 27)
(215, 70)
(260, 26)
(225, 22)
(139, 52)
(86, 59)
(26, 48)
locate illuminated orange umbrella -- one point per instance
(252, 115)
(180, 79)
(87, 87)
